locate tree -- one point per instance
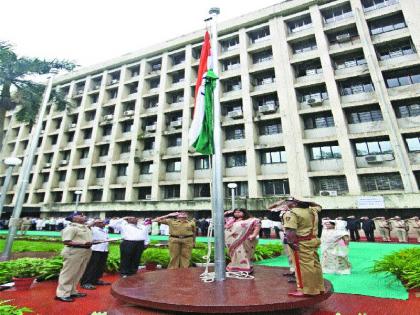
(18, 89)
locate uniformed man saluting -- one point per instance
(301, 225)
(181, 238)
(77, 238)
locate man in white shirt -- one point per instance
(135, 239)
(266, 226)
(97, 262)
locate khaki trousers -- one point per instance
(417, 234)
(288, 251)
(402, 235)
(385, 234)
(74, 265)
(180, 252)
(310, 267)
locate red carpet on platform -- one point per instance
(41, 299)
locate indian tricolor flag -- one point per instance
(201, 130)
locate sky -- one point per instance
(92, 31)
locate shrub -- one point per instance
(156, 255)
(8, 309)
(26, 267)
(404, 264)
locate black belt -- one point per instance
(181, 236)
(79, 246)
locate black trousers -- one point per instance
(95, 268)
(130, 252)
(266, 232)
(354, 235)
(370, 235)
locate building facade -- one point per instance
(320, 99)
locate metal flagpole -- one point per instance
(25, 172)
(217, 187)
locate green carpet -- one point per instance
(362, 257)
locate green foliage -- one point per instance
(8, 309)
(267, 251)
(37, 246)
(156, 255)
(113, 262)
(21, 268)
(404, 264)
(51, 268)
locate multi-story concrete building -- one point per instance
(320, 99)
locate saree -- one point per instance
(334, 252)
(240, 248)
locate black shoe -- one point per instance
(100, 282)
(288, 274)
(77, 295)
(291, 280)
(64, 299)
(88, 286)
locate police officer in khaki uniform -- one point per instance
(415, 223)
(401, 228)
(301, 224)
(25, 225)
(77, 238)
(384, 227)
(181, 238)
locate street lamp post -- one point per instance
(232, 187)
(78, 195)
(11, 162)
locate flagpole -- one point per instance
(217, 187)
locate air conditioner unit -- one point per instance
(265, 109)
(114, 81)
(47, 165)
(310, 71)
(42, 132)
(237, 113)
(343, 38)
(129, 113)
(313, 102)
(148, 197)
(63, 162)
(108, 117)
(329, 193)
(373, 159)
(96, 86)
(151, 128)
(176, 123)
(73, 125)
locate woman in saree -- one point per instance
(334, 250)
(241, 231)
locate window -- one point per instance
(178, 77)
(127, 126)
(324, 152)
(304, 46)
(402, 77)
(270, 128)
(380, 182)
(356, 86)
(132, 89)
(178, 59)
(267, 100)
(61, 176)
(45, 177)
(100, 172)
(173, 166)
(94, 98)
(231, 64)
(229, 44)
(113, 94)
(321, 120)
(395, 49)
(259, 35)
(149, 144)
(388, 24)
(308, 68)
(316, 93)
(57, 196)
(103, 150)
(262, 56)
(118, 194)
(97, 195)
(299, 24)
(349, 61)
(235, 133)
(144, 193)
(122, 170)
(335, 183)
(408, 109)
(232, 85)
(362, 115)
(241, 189)
(84, 153)
(201, 163)
(201, 190)
(125, 147)
(151, 102)
(263, 79)
(156, 66)
(413, 143)
(89, 116)
(174, 141)
(154, 84)
(146, 168)
(80, 174)
(235, 160)
(87, 134)
(373, 147)
(107, 130)
(54, 140)
(275, 187)
(347, 35)
(273, 156)
(337, 14)
(171, 191)
(370, 5)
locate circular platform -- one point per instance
(181, 290)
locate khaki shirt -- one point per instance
(179, 227)
(77, 233)
(303, 220)
(383, 223)
(400, 224)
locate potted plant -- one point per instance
(24, 272)
(152, 257)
